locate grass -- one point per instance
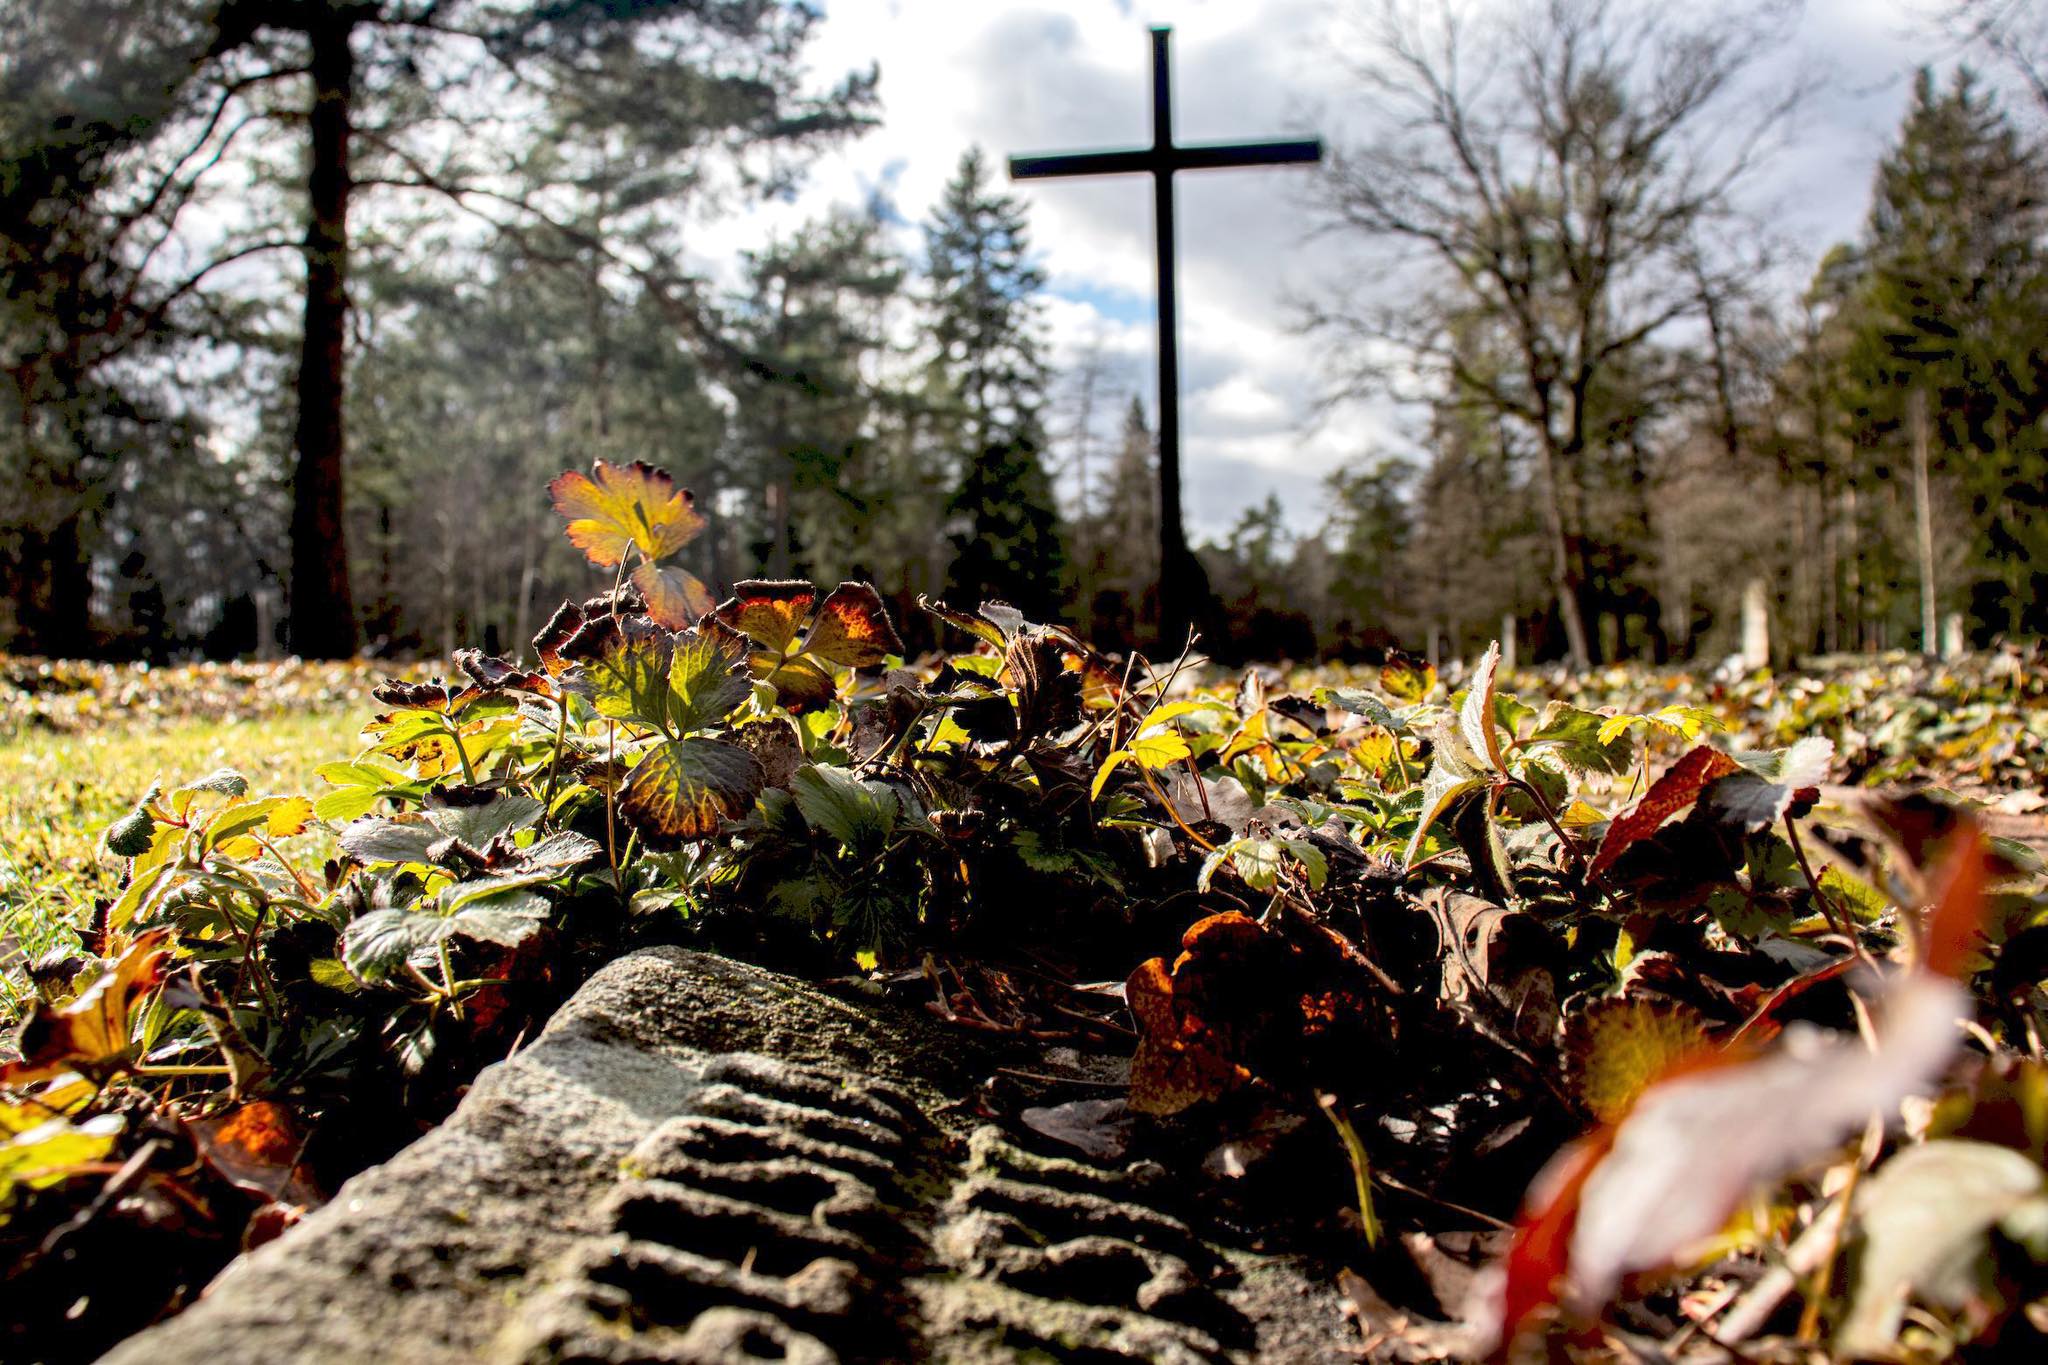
(59, 790)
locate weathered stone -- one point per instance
(700, 1161)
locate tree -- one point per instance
(1946, 356)
(1555, 166)
(812, 325)
(982, 286)
(409, 97)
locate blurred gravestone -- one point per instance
(1756, 625)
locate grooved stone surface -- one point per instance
(700, 1161)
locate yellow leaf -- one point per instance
(616, 506)
(1158, 751)
(1616, 1049)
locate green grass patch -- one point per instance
(59, 790)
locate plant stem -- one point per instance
(1145, 773)
(169, 1071)
(448, 981)
(1361, 1165)
(461, 754)
(611, 798)
(547, 800)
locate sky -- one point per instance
(1053, 75)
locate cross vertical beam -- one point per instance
(1183, 587)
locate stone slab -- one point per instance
(701, 1161)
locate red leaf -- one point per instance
(1671, 793)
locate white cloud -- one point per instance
(1075, 74)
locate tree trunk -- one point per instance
(1923, 520)
(62, 627)
(1564, 577)
(323, 618)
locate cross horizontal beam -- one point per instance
(1199, 156)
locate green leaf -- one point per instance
(348, 803)
(129, 837)
(622, 663)
(1362, 703)
(374, 841)
(1447, 782)
(476, 824)
(687, 788)
(1582, 741)
(855, 813)
(332, 973)
(378, 943)
(1258, 861)
(562, 849)
(279, 815)
(707, 678)
(225, 783)
(1313, 863)
(1759, 796)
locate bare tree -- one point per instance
(1550, 169)
(2013, 33)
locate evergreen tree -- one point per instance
(1947, 313)
(982, 290)
(812, 325)
(1119, 583)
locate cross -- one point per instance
(1182, 584)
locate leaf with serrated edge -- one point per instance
(707, 678)
(617, 506)
(768, 613)
(1616, 1049)
(801, 683)
(1476, 717)
(851, 628)
(983, 630)
(853, 812)
(623, 662)
(687, 788)
(1678, 787)
(1405, 678)
(1446, 782)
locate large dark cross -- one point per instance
(1182, 584)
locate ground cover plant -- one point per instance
(1647, 1016)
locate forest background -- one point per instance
(303, 298)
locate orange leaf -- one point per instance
(769, 614)
(1957, 920)
(256, 1147)
(616, 506)
(89, 1033)
(675, 597)
(851, 629)
(1671, 793)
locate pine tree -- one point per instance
(1952, 287)
(982, 290)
